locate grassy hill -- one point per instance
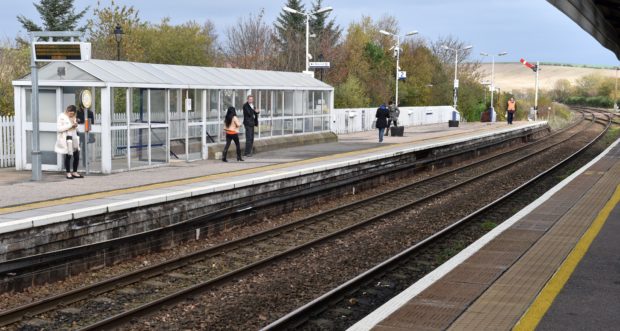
(515, 76)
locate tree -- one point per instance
(250, 43)
(100, 29)
(14, 63)
(290, 38)
(57, 15)
(562, 89)
(351, 94)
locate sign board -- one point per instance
(456, 83)
(402, 75)
(319, 65)
(188, 104)
(45, 51)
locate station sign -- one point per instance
(319, 65)
(402, 75)
(45, 51)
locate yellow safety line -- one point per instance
(547, 295)
(142, 188)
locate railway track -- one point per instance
(372, 288)
(118, 300)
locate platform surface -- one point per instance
(24, 203)
(509, 276)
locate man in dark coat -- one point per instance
(382, 115)
(250, 121)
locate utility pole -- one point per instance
(536, 93)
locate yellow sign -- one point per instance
(86, 98)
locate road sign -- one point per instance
(319, 65)
(46, 51)
(402, 75)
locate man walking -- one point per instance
(250, 121)
(511, 108)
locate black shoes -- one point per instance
(224, 160)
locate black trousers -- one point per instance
(510, 117)
(390, 122)
(229, 138)
(249, 139)
(76, 159)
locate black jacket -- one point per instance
(382, 115)
(250, 116)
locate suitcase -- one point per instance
(397, 131)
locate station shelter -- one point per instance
(146, 115)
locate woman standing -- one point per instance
(382, 115)
(68, 141)
(231, 127)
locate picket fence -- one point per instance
(7, 141)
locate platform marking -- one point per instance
(388, 308)
(554, 286)
(147, 187)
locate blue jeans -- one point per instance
(381, 132)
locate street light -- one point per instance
(320, 11)
(493, 114)
(456, 81)
(397, 49)
(118, 35)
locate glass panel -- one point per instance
(278, 105)
(195, 142)
(47, 141)
(158, 106)
(299, 103)
(119, 149)
(138, 106)
(93, 148)
(139, 147)
(288, 126)
(240, 98)
(212, 114)
(213, 130)
(289, 103)
(119, 106)
(265, 106)
(195, 115)
(326, 103)
(227, 101)
(278, 126)
(174, 101)
(316, 103)
(158, 145)
(325, 123)
(265, 127)
(308, 125)
(47, 106)
(318, 124)
(299, 125)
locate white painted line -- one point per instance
(51, 218)
(122, 205)
(418, 287)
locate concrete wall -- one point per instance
(361, 119)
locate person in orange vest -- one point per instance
(512, 109)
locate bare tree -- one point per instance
(250, 43)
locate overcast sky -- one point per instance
(532, 29)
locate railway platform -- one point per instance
(188, 200)
(552, 266)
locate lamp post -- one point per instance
(118, 35)
(493, 114)
(456, 81)
(320, 11)
(397, 50)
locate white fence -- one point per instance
(7, 141)
(361, 119)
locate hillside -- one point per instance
(515, 76)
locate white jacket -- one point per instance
(64, 124)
